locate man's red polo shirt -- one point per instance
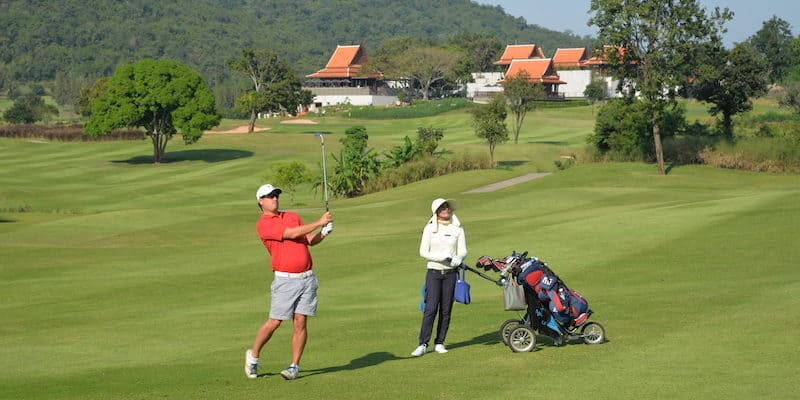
(286, 255)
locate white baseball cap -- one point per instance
(266, 190)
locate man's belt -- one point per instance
(296, 275)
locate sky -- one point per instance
(572, 15)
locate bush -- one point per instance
(757, 154)
(425, 168)
(687, 149)
(562, 103)
(623, 130)
(73, 133)
(29, 109)
(417, 109)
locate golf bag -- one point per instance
(552, 308)
(543, 288)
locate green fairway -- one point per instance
(120, 279)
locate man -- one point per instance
(294, 288)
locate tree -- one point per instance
(425, 65)
(275, 86)
(164, 97)
(355, 165)
(29, 109)
(728, 79)
(489, 122)
(775, 42)
(428, 139)
(596, 91)
(401, 154)
(623, 127)
(521, 95)
(481, 50)
(289, 175)
(653, 48)
(425, 145)
(791, 98)
(87, 95)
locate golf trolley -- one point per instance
(520, 334)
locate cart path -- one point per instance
(506, 183)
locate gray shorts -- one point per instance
(293, 296)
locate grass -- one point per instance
(126, 280)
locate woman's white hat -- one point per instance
(438, 203)
(435, 206)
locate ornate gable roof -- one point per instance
(540, 70)
(345, 62)
(521, 51)
(601, 56)
(573, 57)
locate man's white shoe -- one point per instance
(439, 348)
(420, 350)
(291, 372)
(250, 365)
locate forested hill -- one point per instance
(43, 40)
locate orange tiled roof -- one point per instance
(520, 51)
(345, 62)
(540, 70)
(573, 57)
(601, 57)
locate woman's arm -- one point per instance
(461, 249)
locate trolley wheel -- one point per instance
(521, 339)
(505, 329)
(593, 333)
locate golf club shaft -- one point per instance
(324, 172)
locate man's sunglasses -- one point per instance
(270, 196)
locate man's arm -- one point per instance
(304, 230)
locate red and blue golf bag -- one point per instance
(567, 306)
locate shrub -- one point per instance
(73, 133)
(757, 154)
(288, 176)
(563, 103)
(425, 168)
(623, 131)
(417, 109)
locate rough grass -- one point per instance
(756, 154)
(154, 283)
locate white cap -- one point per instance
(265, 190)
(438, 203)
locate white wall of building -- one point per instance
(484, 82)
(577, 80)
(356, 100)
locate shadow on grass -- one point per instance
(669, 168)
(207, 155)
(550, 142)
(487, 339)
(509, 164)
(369, 360)
(380, 357)
(3, 220)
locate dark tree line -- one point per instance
(70, 44)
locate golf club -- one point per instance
(324, 173)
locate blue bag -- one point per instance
(462, 288)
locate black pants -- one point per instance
(439, 289)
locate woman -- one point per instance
(445, 247)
